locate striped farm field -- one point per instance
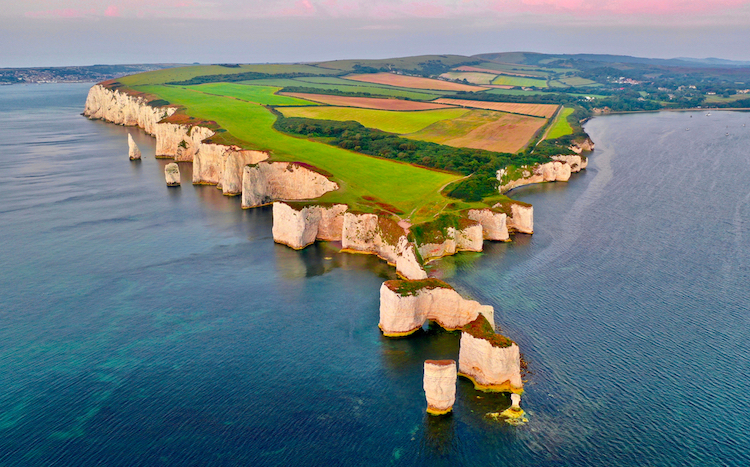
(412, 82)
(538, 110)
(366, 102)
(483, 129)
(471, 77)
(264, 95)
(490, 71)
(520, 81)
(386, 120)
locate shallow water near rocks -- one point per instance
(146, 325)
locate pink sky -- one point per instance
(362, 9)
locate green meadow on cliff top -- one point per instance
(244, 101)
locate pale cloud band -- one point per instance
(373, 10)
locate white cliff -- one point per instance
(467, 237)
(585, 145)
(558, 170)
(521, 218)
(266, 182)
(370, 233)
(234, 162)
(494, 224)
(134, 154)
(299, 226)
(439, 385)
(490, 360)
(172, 174)
(406, 305)
(123, 109)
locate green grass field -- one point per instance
(263, 95)
(723, 100)
(519, 81)
(576, 81)
(386, 120)
(169, 75)
(514, 68)
(561, 127)
(347, 86)
(470, 77)
(407, 187)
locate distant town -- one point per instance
(73, 74)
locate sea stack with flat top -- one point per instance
(440, 385)
(490, 360)
(133, 152)
(172, 174)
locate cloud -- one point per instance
(112, 11)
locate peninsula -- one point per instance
(408, 159)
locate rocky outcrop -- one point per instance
(370, 233)
(233, 164)
(558, 170)
(180, 142)
(266, 182)
(299, 226)
(123, 109)
(491, 361)
(436, 242)
(580, 146)
(439, 385)
(406, 305)
(172, 174)
(134, 154)
(521, 218)
(493, 222)
(576, 162)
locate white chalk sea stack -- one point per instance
(440, 385)
(172, 174)
(133, 152)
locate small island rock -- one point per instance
(440, 385)
(133, 152)
(172, 174)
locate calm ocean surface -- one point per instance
(142, 325)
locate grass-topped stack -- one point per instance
(406, 305)
(490, 360)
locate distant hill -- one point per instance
(532, 58)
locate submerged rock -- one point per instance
(440, 385)
(133, 152)
(172, 174)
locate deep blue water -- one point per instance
(142, 325)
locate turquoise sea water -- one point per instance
(142, 325)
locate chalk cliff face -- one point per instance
(370, 233)
(494, 224)
(406, 305)
(559, 170)
(298, 227)
(585, 145)
(234, 164)
(266, 182)
(492, 366)
(576, 162)
(172, 174)
(468, 238)
(123, 109)
(134, 153)
(439, 385)
(180, 142)
(521, 218)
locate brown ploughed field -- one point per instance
(412, 82)
(539, 110)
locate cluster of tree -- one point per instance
(481, 165)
